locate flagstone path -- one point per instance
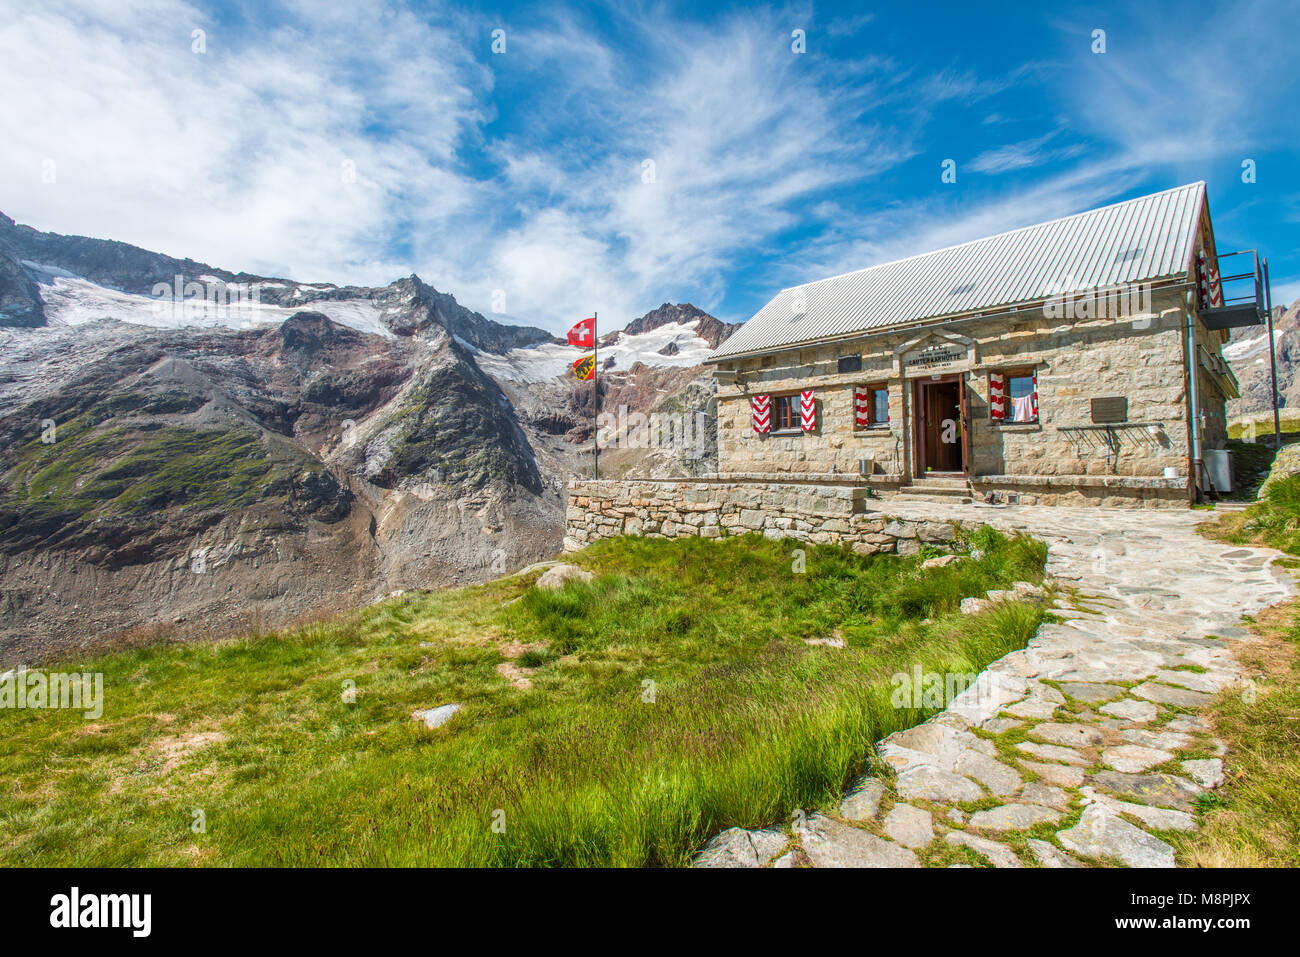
(1083, 748)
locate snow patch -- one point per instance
(1247, 348)
(549, 360)
(71, 300)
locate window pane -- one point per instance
(880, 410)
(1020, 386)
(1020, 390)
(787, 415)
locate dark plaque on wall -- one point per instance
(1110, 408)
(850, 364)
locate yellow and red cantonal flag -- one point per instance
(585, 367)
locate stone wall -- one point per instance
(1109, 491)
(1139, 356)
(808, 513)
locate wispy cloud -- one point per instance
(1023, 155)
(613, 156)
(699, 157)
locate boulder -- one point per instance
(828, 843)
(557, 576)
(436, 717)
(862, 803)
(1013, 817)
(909, 826)
(736, 847)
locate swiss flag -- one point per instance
(584, 333)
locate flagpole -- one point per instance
(595, 385)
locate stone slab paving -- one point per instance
(1078, 750)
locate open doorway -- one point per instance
(940, 426)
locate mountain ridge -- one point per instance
(182, 470)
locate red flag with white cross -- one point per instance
(584, 333)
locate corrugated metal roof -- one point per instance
(1140, 240)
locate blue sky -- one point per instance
(616, 156)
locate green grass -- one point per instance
(672, 696)
(1263, 425)
(1273, 520)
(133, 470)
(1254, 821)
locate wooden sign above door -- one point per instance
(935, 358)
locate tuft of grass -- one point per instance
(678, 697)
(1273, 520)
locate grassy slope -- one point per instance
(1255, 820)
(747, 722)
(1262, 423)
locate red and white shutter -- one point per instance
(1214, 284)
(862, 399)
(761, 405)
(807, 410)
(997, 395)
(1211, 283)
(1035, 402)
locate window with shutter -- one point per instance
(871, 406)
(785, 413)
(1013, 396)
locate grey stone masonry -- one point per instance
(818, 514)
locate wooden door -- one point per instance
(964, 405)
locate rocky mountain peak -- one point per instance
(307, 333)
(711, 330)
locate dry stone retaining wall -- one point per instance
(819, 514)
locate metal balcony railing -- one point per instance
(1233, 290)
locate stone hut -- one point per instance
(1074, 362)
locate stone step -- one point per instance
(945, 481)
(949, 491)
(945, 489)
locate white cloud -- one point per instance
(237, 156)
(1286, 292)
(897, 232)
(240, 156)
(1022, 155)
(741, 144)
